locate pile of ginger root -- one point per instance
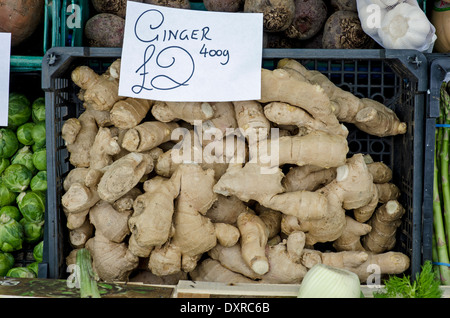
(229, 215)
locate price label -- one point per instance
(5, 60)
(190, 55)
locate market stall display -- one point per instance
(160, 182)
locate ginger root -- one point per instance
(384, 223)
(80, 235)
(100, 91)
(104, 147)
(362, 263)
(128, 113)
(316, 148)
(211, 270)
(254, 237)
(79, 135)
(111, 223)
(367, 114)
(280, 86)
(387, 191)
(226, 209)
(188, 111)
(123, 175)
(147, 135)
(151, 222)
(351, 189)
(350, 240)
(193, 233)
(251, 119)
(111, 261)
(285, 261)
(286, 114)
(308, 178)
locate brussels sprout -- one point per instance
(17, 177)
(6, 263)
(38, 109)
(40, 159)
(8, 143)
(15, 96)
(38, 134)
(4, 163)
(7, 197)
(11, 234)
(24, 134)
(32, 231)
(39, 181)
(12, 211)
(38, 251)
(24, 156)
(32, 205)
(21, 272)
(34, 267)
(19, 110)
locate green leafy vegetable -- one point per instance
(4, 163)
(38, 135)
(17, 177)
(34, 267)
(6, 263)
(7, 197)
(19, 110)
(40, 159)
(24, 156)
(12, 211)
(8, 143)
(38, 251)
(39, 181)
(425, 285)
(32, 231)
(21, 272)
(24, 134)
(32, 205)
(11, 234)
(38, 109)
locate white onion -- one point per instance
(323, 281)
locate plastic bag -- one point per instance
(397, 24)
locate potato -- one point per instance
(343, 30)
(224, 5)
(20, 18)
(277, 14)
(309, 18)
(117, 7)
(105, 30)
(181, 4)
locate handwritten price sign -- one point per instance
(189, 55)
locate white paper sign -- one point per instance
(190, 55)
(5, 60)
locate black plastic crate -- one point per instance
(397, 78)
